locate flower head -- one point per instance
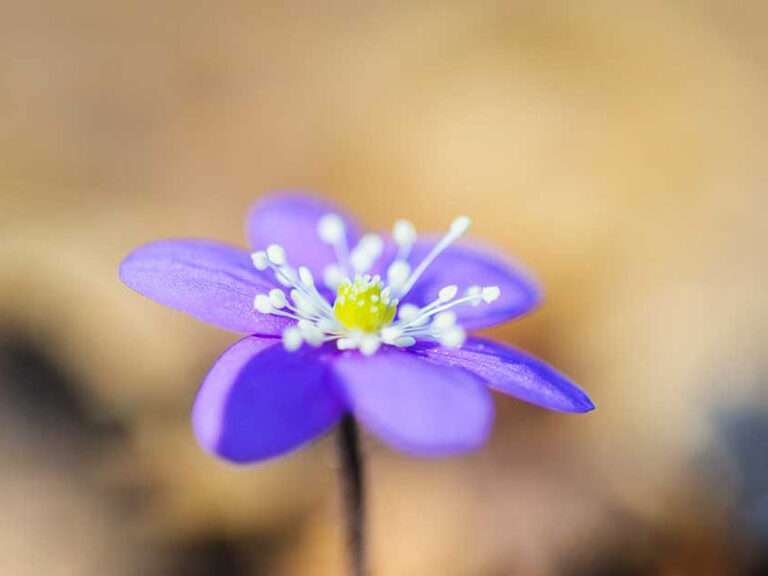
(364, 312)
(340, 322)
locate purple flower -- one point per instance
(370, 325)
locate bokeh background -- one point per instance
(617, 148)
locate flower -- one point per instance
(367, 325)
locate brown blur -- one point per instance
(617, 148)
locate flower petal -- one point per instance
(466, 265)
(291, 219)
(260, 401)
(415, 405)
(513, 372)
(213, 282)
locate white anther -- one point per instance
(372, 244)
(360, 261)
(333, 276)
(404, 233)
(276, 254)
(447, 293)
(444, 320)
(460, 225)
(262, 304)
(490, 293)
(366, 252)
(397, 273)
(351, 341)
(476, 295)
(292, 338)
(346, 344)
(390, 334)
(311, 334)
(408, 312)
(404, 341)
(369, 343)
(331, 229)
(453, 337)
(306, 276)
(260, 260)
(277, 298)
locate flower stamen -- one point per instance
(331, 230)
(363, 314)
(458, 227)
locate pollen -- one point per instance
(364, 304)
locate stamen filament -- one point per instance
(362, 315)
(457, 229)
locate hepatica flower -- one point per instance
(340, 323)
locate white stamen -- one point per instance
(476, 295)
(444, 320)
(366, 252)
(490, 293)
(458, 227)
(311, 334)
(390, 334)
(303, 304)
(404, 233)
(315, 318)
(371, 243)
(263, 304)
(260, 261)
(448, 293)
(327, 325)
(369, 343)
(276, 254)
(277, 298)
(360, 261)
(345, 344)
(292, 338)
(404, 341)
(351, 341)
(306, 276)
(453, 337)
(408, 312)
(397, 273)
(333, 276)
(331, 229)
(286, 276)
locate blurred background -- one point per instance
(617, 148)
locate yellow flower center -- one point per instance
(360, 305)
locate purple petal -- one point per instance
(515, 373)
(467, 265)
(213, 282)
(260, 401)
(290, 220)
(415, 405)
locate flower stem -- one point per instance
(353, 495)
